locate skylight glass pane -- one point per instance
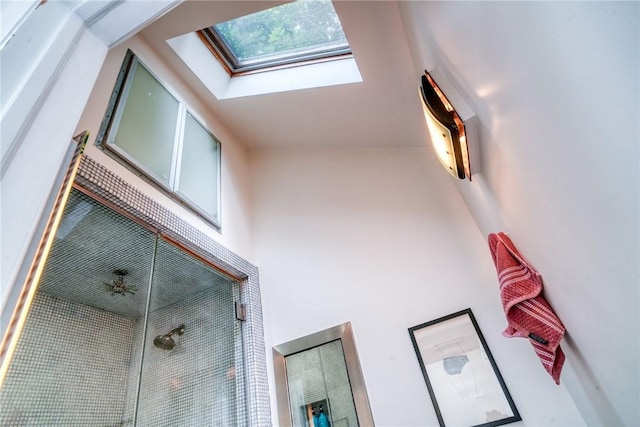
(305, 29)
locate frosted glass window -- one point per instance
(150, 131)
(199, 167)
(146, 126)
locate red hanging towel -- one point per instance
(528, 314)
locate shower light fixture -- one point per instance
(118, 286)
(449, 135)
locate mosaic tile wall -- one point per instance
(81, 360)
(320, 374)
(195, 382)
(200, 381)
(102, 182)
(70, 367)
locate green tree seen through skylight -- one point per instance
(298, 26)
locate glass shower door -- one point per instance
(75, 356)
(125, 329)
(192, 368)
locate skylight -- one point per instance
(300, 32)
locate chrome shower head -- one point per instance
(165, 341)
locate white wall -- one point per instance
(556, 87)
(44, 88)
(14, 13)
(236, 229)
(379, 237)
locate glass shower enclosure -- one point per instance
(126, 328)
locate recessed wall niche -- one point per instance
(318, 379)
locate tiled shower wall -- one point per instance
(200, 381)
(70, 367)
(94, 384)
(104, 183)
(74, 365)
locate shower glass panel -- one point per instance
(74, 354)
(195, 370)
(78, 359)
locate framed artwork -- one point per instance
(463, 380)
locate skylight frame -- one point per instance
(219, 47)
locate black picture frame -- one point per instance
(464, 382)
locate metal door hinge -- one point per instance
(241, 311)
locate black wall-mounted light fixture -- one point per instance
(447, 129)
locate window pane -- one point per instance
(194, 378)
(147, 127)
(198, 180)
(304, 27)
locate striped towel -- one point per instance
(528, 314)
